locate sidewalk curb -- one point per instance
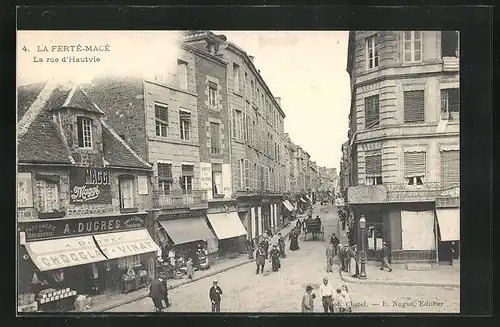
(214, 272)
(358, 281)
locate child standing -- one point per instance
(345, 293)
(341, 302)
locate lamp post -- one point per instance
(362, 225)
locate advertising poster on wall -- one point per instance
(24, 190)
(90, 185)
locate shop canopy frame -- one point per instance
(227, 225)
(186, 230)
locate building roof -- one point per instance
(40, 139)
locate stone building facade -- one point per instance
(404, 139)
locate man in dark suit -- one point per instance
(215, 296)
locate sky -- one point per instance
(307, 69)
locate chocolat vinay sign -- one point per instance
(90, 185)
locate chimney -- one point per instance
(278, 99)
(251, 58)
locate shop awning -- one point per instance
(288, 205)
(124, 244)
(187, 230)
(227, 225)
(449, 223)
(65, 252)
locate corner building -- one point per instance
(404, 143)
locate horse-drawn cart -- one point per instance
(314, 228)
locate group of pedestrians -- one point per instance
(333, 300)
(262, 253)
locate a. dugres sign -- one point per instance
(84, 226)
(90, 185)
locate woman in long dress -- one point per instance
(353, 264)
(190, 269)
(294, 241)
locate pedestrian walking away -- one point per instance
(330, 254)
(341, 252)
(308, 300)
(275, 258)
(250, 248)
(190, 269)
(215, 294)
(335, 241)
(326, 293)
(158, 293)
(386, 257)
(281, 245)
(260, 259)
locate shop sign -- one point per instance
(142, 185)
(24, 191)
(90, 185)
(84, 226)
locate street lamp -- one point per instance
(362, 225)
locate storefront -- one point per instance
(182, 236)
(91, 256)
(230, 233)
(448, 226)
(288, 211)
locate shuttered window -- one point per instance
(247, 173)
(237, 178)
(450, 166)
(373, 165)
(414, 106)
(414, 164)
(371, 111)
(188, 170)
(165, 172)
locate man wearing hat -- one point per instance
(215, 296)
(308, 300)
(386, 257)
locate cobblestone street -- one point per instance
(245, 291)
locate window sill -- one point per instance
(219, 196)
(129, 210)
(51, 215)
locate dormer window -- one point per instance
(84, 132)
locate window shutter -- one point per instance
(450, 166)
(414, 106)
(247, 173)
(371, 111)
(165, 172)
(79, 128)
(244, 127)
(414, 164)
(187, 170)
(234, 123)
(212, 85)
(373, 165)
(237, 175)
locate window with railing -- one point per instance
(216, 179)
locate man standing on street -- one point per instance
(335, 241)
(386, 256)
(308, 300)
(260, 259)
(326, 293)
(281, 244)
(215, 296)
(330, 254)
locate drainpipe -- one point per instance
(230, 128)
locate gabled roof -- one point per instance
(117, 153)
(40, 139)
